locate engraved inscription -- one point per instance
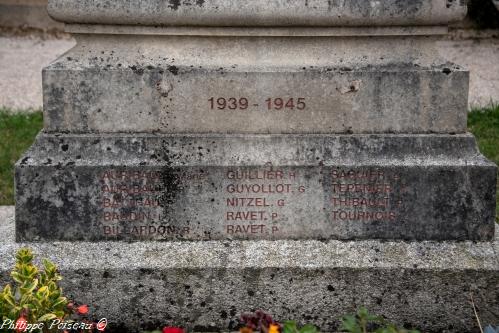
(256, 197)
(133, 202)
(363, 195)
(271, 103)
(264, 202)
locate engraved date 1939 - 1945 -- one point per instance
(271, 103)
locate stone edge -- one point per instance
(255, 31)
(254, 13)
(305, 254)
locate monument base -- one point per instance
(213, 187)
(206, 285)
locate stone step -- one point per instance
(206, 285)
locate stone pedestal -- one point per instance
(204, 286)
(261, 129)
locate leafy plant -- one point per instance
(36, 295)
(35, 300)
(364, 322)
(291, 327)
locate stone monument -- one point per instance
(318, 145)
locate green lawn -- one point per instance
(484, 123)
(18, 130)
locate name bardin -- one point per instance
(9, 324)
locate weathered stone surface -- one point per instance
(206, 285)
(100, 29)
(181, 187)
(174, 84)
(27, 13)
(259, 12)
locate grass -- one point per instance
(18, 130)
(484, 124)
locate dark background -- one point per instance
(483, 14)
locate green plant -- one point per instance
(364, 322)
(35, 303)
(36, 295)
(291, 327)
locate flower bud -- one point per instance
(21, 324)
(83, 309)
